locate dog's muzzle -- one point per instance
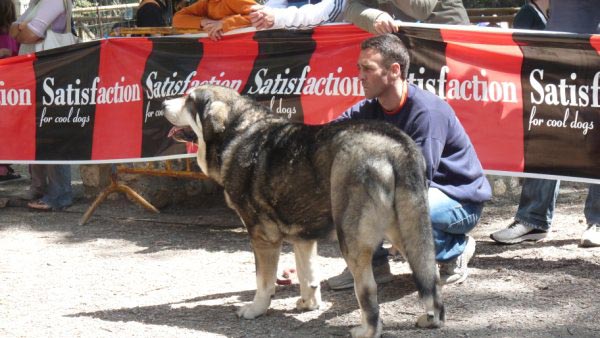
(183, 134)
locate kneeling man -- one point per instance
(457, 185)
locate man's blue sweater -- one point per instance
(452, 164)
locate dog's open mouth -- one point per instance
(183, 134)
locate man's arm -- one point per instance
(364, 14)
(308, 15)
(241, 19)
(35, 30)
(191, 16)
(417, 9)
(432, 152)
(363, 110)
(430, 136)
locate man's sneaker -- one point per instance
(345, 281)
(591, 237)
(456, 271)
(517, 233)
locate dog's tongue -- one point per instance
(173, 131)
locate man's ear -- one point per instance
(396, 70)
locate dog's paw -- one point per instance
(307, 305)
(429, 321)
(250, 311)
(366, 332)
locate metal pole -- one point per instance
(99, 20)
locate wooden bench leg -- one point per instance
(115, 187)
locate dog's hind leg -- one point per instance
(310, 286)
(266, 256)
(359, 200)
(413, 233)
(365, 289)
(359, 235)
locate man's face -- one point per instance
(373, 75)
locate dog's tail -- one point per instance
(412, 233)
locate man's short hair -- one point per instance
(391, 48)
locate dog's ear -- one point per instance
(211, 112)
(218, 113)
(201, 99)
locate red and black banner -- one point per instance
(528, 100)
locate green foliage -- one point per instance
(83, 3)
(93, 3)
(492, 3)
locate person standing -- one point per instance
(457, 186)
(534, 216)
(532, 15)
(50, 184)
(8, 47)
(378, 17)
(152, 13)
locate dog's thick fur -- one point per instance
(363, 180)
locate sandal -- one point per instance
(9, 176)
(39, 205)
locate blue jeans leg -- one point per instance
(59, 193)
(592, 205)
(38, 179)
(451, 220)
(536, 207)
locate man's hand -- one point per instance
(214, 28)
(384, 24)
(261, 17)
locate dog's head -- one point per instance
(202, 114)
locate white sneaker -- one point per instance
(517, 233)
(591, 236)
(456, 271)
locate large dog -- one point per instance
(363, 180)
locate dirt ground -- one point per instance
(184, 272)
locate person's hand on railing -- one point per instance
(384, 24)
(23, 34)
(214, 28)
(261, 17)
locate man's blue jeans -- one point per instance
(450, 220)
(53, 181)
(538, 197)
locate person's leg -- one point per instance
(591, 236)
(451, 221)
(380, 256)
(534, 215)
(536, 207)
(38, 180)
(380, 266)
(59, 193)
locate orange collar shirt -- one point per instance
(233, 13)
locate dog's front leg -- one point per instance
(266, 256)
(310, 286)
